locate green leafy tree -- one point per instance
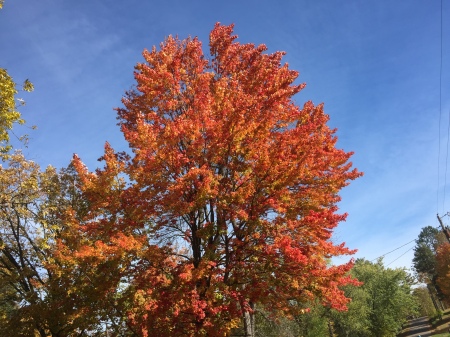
(311, 323)
(355, 321)
(425, 261)
(380, 306)
(314, 321)
(425, 251)
(426, 307)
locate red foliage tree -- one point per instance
(229, 199)
(443, 269)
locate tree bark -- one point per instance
(249, 321)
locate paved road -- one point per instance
(417, 327)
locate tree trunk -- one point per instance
(433, 294)
(249, 321)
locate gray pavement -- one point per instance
(417, 327)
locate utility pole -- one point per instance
(444, 229)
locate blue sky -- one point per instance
(374, 63)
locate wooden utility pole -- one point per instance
(444, 229)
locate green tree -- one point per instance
(380, 306)
(314, 321)
(355, 321)
(425, 262)
(426, 307)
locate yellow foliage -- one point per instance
(9, 115)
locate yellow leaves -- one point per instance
(8, 107)
(140, 297)
(28, 86)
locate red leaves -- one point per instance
(230, 197)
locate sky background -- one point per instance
(376, 64)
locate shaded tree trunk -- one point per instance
(249, 321)
(433, 294)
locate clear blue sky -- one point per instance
(374, 63)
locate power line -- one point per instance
(393, 250)
(401, 247)
(399, 256)
(439, 134)
(446, 161)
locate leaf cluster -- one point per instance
(9, 114)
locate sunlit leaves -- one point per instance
(48, 293)
(229, 198)
(443, 268)
(9, 115)
(380, 305)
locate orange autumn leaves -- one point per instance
(229, 197)
(443, 268)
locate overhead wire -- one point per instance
(439, 133)
(399, 257)
(439, 146)
(379, 257)
(446, 163)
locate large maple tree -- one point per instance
(228, 201)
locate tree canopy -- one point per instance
(381, 305)
(229, 199)
(429, 262)
(443, 269)
(39, 292)
(225, 207)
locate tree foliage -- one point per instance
(378, 307)
(229, 198)
(443, 269)
(39, 293)
(23, 244)
(426, 307)
(381, 305)
(425, 261)
(9, 115)
(425, 251)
